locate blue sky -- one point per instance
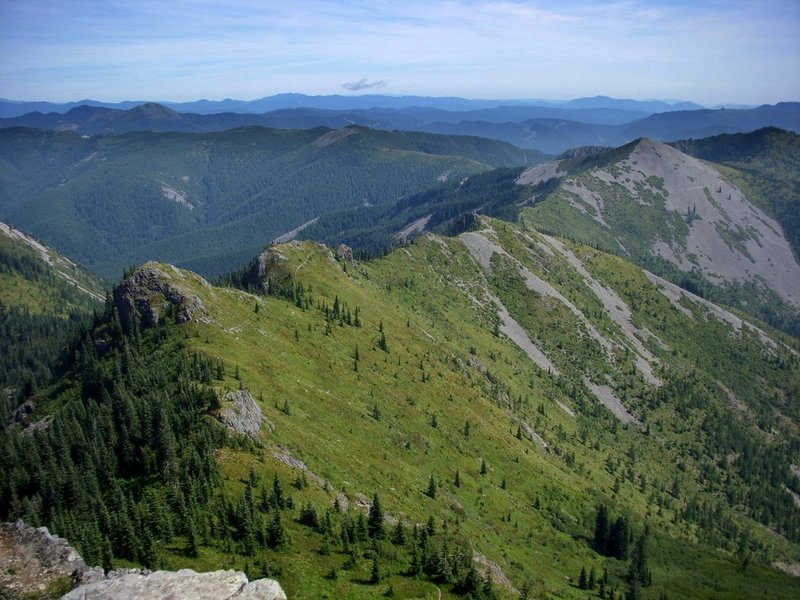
(710, 52)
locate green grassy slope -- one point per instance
(44, 298)
(203, 199)
(381, 406)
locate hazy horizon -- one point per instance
(520, 100)
(711, 53)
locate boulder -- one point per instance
(242, 414)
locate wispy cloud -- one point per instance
(364, 84)
(704, 51)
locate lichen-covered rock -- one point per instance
(242, 414)
(150, 293)
(179, 585)
(37, 564)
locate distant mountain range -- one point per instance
(550, 130)
(12, 108)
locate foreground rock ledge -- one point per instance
(37, 564)
(179, 585)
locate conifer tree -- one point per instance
(414, 562)
(375, 576)
(382, 343)
(193, 543)
(399, 537)
(639, 571)
(431, 491)
(617, 544)
(276, 534)
(277, 498)
(375, 525)
(430, 527)
(601, 529)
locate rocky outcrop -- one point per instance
(180, 585)
(344, 253)
(150, 293)
(37, 564)
(242, 414)
(23, 411)
(493, 570)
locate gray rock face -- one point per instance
(36, 563)
(180, 585)
(242, 415)
(150, 293)
(345, 253)
(270, 270)
(262, 589)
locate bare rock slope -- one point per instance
(683, 210)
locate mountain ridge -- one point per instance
(380, 377)
(12, 108)
(664, 209)
(549, 130)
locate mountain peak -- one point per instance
(155, 110)
(650, 199)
